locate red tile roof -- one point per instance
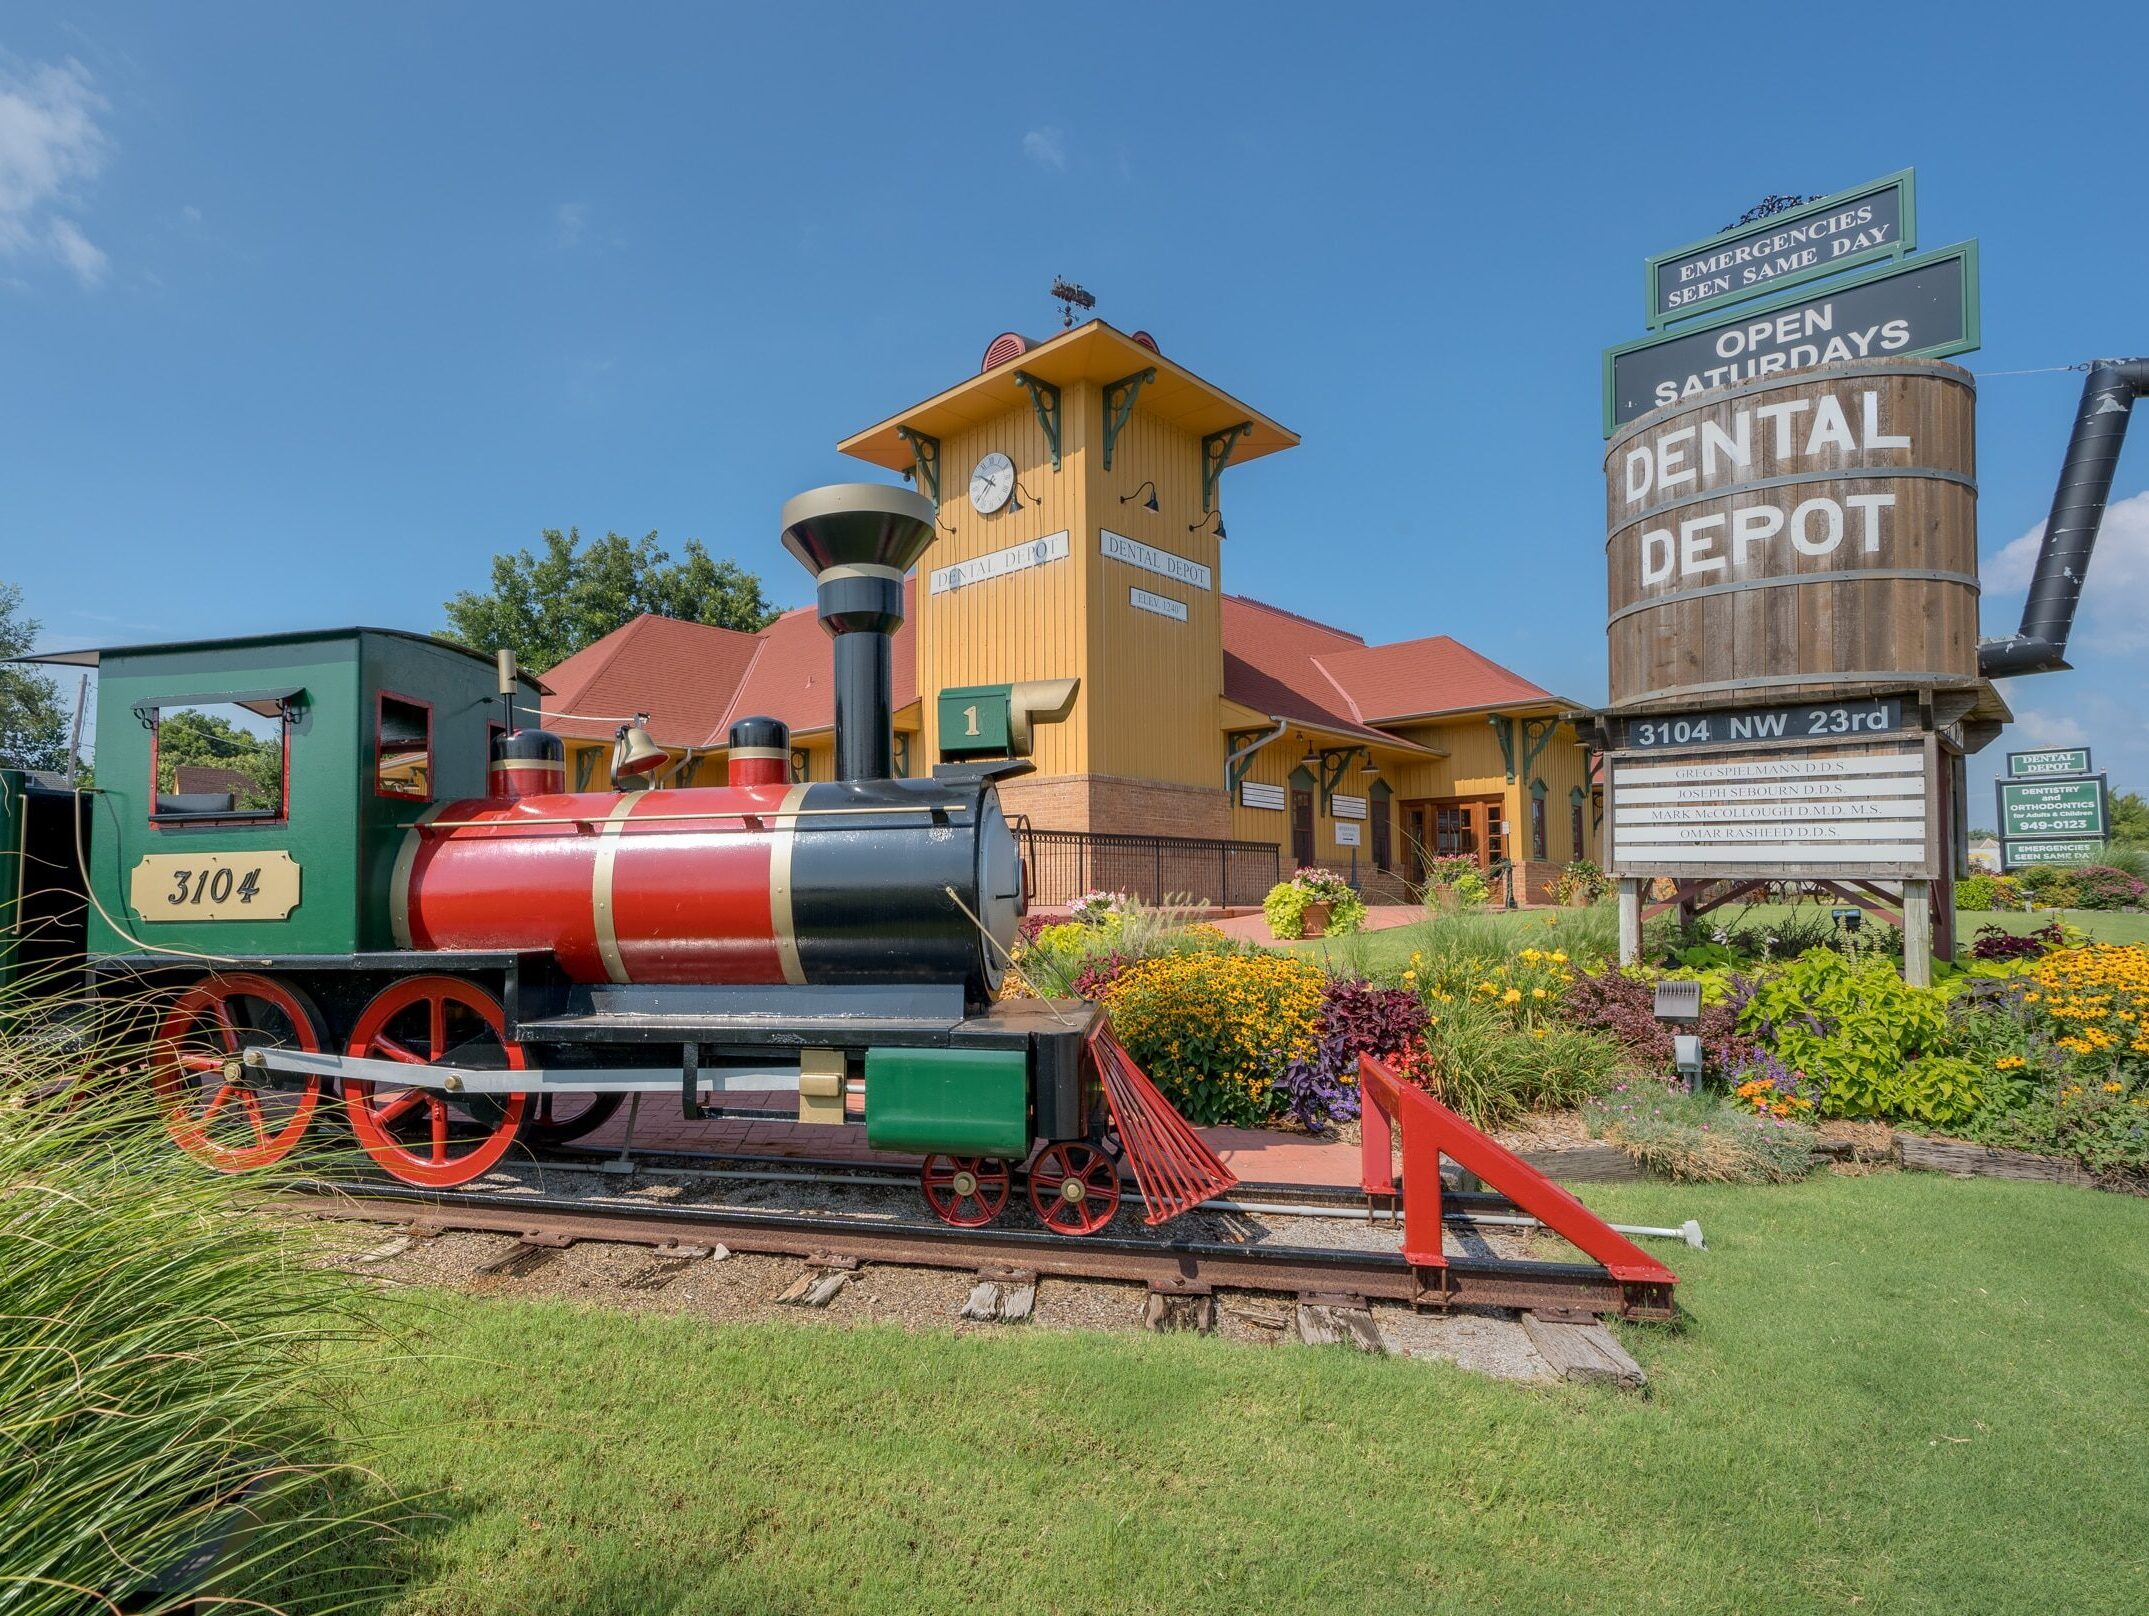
(694, 681)
(1415, 678)
(682, 675)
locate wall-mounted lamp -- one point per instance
(1148, 504)
(1014, 499)
(1216, 516)
(1312, 759)
(945, 527)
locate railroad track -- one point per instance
(1169, 1267)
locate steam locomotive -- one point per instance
(408, 909)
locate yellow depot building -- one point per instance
(1215, 742)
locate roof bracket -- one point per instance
(1215, 456)
(1045, 399)
(1242, 745)
(1334, 762)
(1537, 734)
(1119, 400)
(925, 462)
(1504, 728)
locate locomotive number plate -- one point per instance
(214, 886)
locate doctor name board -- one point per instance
(1795, 536)
(1841, 812)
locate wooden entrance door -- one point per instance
(1377, 829)
(1301, 826)
(1468, 829)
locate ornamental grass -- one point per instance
(165, 1383)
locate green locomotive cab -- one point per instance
(252, 794)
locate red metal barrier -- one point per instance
(1173, 1164)
(1430, 1131)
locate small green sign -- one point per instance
(2052, 760)
(2043, 809)
(2014, 855)
(973, 721)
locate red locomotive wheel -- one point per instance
(1074, 1187)
(220, 1110)
(423, 1136)
(967, 1191)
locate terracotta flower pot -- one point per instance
(1448, 899)
(1314, 921)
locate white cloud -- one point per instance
(570, 222)
(49, 144)
(2034, 727)
(2113, 591)
(1046, 146)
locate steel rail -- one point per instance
(1187, 1267)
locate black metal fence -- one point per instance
(1064, 864)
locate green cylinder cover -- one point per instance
(960, 1102)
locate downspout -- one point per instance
(1251, 747)
(2085, 483)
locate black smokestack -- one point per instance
(2085, 483)
(858, 539)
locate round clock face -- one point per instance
(991, 483)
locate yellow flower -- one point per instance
(2114, 1088)
(1511, 996)
(1537, 993)
(1559, 958)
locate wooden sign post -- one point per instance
(1791, 582)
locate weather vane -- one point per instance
(1071, 297)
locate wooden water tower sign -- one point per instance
(1791, 588)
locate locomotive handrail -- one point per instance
(935, 809)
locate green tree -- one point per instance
(33, 723)
(189, 737)
(2130, 818)
(547, 607)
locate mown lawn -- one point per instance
(1379, 950)
(1897, 1393)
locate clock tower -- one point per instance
(1080, 536)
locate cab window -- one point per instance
(403, 749)
(219, 759)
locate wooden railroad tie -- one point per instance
(1331, 1319)
(825, 1276)
(1579, 1348)
(531, 1251)
(1001, 1296)
(668, 1261)
(1180, 1304)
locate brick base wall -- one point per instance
(1113, 804)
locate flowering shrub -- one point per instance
(2094, 1002)
(2049, 886)
(1215, 1030)
(1699, 1139)
(1286, 903)
(1457, 874)
(1580, 883)
(1094, 980)
(1096, 908)
(1773, 1089)
(1987, 892)
(2103, 887)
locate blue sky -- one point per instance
(307, 313)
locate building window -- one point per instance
(403, 749)
(225, 759)
(1574, 821)
(801, 765)
(1538, 837)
